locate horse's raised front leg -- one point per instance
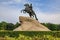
(23, 11)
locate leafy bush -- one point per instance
(30, 35)
(11, 26)
(53, 27)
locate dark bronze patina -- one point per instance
(28, 9)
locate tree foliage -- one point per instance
(53, 27)
(10, 26)
(3, 25)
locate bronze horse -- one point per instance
(29, 11)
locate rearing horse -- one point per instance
(29, 11)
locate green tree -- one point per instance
(58, 27)
(51, 26)
(10, 26)
(0, 26)
(17, 24)
(3, 25)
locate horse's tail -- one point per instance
(36, 17)
(22, 11)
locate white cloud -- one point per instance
(18, 1)
(13, 2)
(12, 14)
(7, 3)
(48, 17)
(8, 14)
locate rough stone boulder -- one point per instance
(30, 24)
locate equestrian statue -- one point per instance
(28, 9)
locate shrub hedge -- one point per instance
(29, 33)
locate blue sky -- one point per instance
(46, 10)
